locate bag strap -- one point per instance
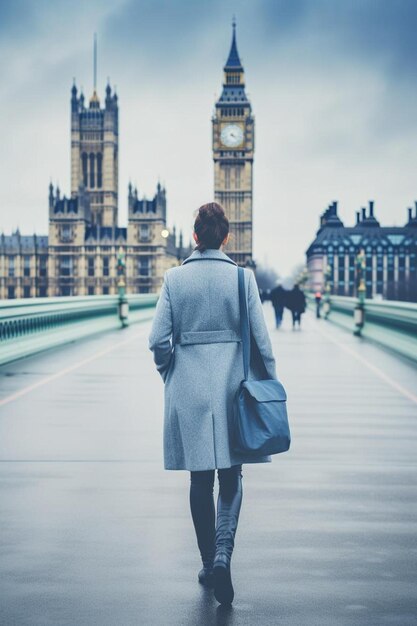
(244, 321)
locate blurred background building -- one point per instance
(389, 253)
(79, 255)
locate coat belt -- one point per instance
(208, 336)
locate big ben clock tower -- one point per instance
(233, 148)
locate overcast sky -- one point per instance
(333, 86)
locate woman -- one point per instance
(195, 340)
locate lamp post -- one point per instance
(359, 312)
(123, 305)
(327, 290)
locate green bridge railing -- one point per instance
(389, 323)
(31, 325)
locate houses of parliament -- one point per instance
(79, 255)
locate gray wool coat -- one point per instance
(195, 340)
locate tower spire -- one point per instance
(94, 100)
(233, 61)
(95, 62)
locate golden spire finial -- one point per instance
(94, 98)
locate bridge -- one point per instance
(95, 531)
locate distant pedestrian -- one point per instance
(296, 302)
(278, 299)
(317, 297)
(196, 344)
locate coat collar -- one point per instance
(210, 253)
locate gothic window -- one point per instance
(237, 177)
(144, 233)
(144, 266)
(92, 180)
(106, 268)
(65, 267)
(26, 265)
(99, 170)
(43, 263)
(85, 168)
(11, 265)
(237, 208)
(66, 232)
(90, 268)
(227, 178)
(341, 275)
(379, 271)
(412, 260)
(352, 261)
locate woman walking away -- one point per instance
(196, 345)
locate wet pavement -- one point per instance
(95, 532)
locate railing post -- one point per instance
(327, 290)
(123, 304)
(359, 311)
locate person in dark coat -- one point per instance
(278, 297)
(196, 344)
(296, 302)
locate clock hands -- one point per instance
(232, 135)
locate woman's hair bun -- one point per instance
(211, 226)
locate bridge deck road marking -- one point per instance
(67, 370)
(376, 370)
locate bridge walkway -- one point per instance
(95, 531)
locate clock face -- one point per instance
(231, 135)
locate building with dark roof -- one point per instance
(390, 255)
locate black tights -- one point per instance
(203, 512)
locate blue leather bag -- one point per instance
(260, 421)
